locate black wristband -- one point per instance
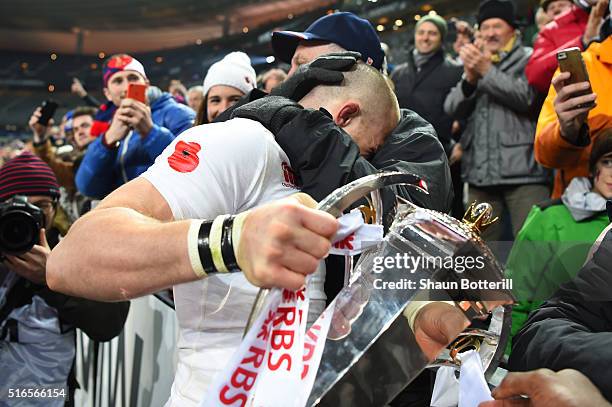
(204, 248)
(227, 246)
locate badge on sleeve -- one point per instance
(185, 156)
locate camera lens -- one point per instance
(18, 232)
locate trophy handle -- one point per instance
(491, 341)
(341, 199)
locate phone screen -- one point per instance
(570, 60)
(137, 91)
(47, 111)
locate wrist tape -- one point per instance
(211, 246)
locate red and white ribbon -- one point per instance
(354, 235)
(277, 361)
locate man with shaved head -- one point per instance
(322, 154)
(150, 235)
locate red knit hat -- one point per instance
(27, 175)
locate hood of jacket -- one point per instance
(581, 201)
(161, 101)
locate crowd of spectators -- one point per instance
(490, 116)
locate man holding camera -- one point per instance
(37, 325)
(131, 133)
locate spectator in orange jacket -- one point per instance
(573, 28)
(564, 131)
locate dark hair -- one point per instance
(601, 146)
(84, 111)
(202, 114)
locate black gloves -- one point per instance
(271, 111)
(280, 107)
(325, 70)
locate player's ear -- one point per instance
(347, 113)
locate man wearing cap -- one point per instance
(574, 27)
(37, 325)
(130, 134)
(500, 107)
(422, 83)
(151, 233)
(323, 156)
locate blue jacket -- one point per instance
(103, 170)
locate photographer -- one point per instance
(37, 325)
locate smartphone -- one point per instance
(48, 108)
(570, 60)
(137, 91)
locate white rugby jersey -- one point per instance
(210, 170)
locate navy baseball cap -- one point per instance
(345, 29)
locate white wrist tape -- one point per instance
(192, 247)
(412, 310)
(237, 232)
(215, 243)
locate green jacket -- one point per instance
(549, 250)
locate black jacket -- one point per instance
(324, 157)
(574, 328)
(424, 91)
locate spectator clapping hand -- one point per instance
(476, 62)
(567, 104)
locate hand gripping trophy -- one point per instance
(371, 349)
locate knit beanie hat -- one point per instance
(27, 175)
(436, 20)
(503, 9)
(233, 70)
(602, 146)
(121, 62)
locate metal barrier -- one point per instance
(136, 369)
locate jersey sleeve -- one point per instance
(212, 169)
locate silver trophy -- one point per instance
(371, 354)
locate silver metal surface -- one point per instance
(371, 354)
(341, 199)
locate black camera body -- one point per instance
(20, 224)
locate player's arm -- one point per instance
(130, 246)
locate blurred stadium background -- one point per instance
(44, 44)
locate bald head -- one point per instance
(363, 105)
